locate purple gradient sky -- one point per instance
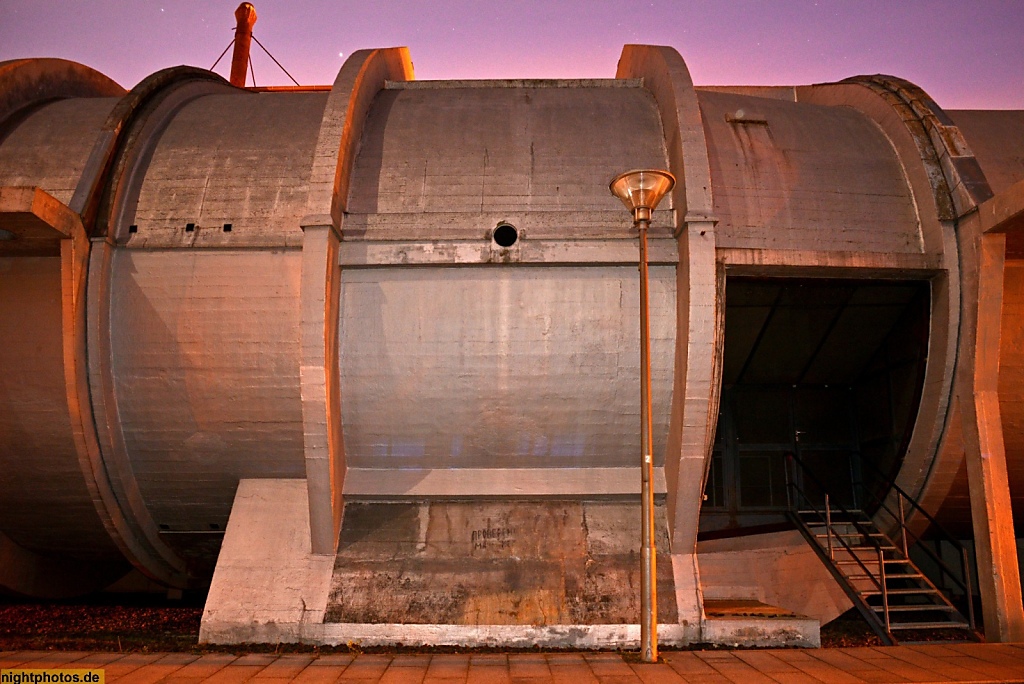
(964, 53)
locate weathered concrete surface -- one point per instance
(268, 585)
(491, 563)
(500, 368)
(270, 588)
(454, 162)
(249, 171)
(778, 569)
(789, 175)
(323, 444)
(374, 484)
(583, 637)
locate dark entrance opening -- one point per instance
(829, 370)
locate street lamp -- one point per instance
(640, 191)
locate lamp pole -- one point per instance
(641, 191)
(648, 581)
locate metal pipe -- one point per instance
(648, 582)
(245, 18)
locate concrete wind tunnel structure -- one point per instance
(366, 357)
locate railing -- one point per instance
(899, 516)
(797, 499)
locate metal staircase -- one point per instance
(874, 569)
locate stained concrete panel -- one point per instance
(238, 159)
(802, 176)
(50, 146)
(495, 563)
(45, 505)
(452, 155)
(205, 350)
(501, 367)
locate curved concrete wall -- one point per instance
(242, 159)
(449, 160)
(49, 148)
(205, 362)
(787, 175)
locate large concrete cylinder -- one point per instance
(468, 328)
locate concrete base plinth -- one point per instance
(269, 587)
(583, 637)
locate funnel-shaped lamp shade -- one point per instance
(641, 190)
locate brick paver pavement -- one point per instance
(919, 663)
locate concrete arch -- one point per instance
(889, 103)
(696, 390)
(28, 82)
(44, 227)
(127, 135)
(360, 79)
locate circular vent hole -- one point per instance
(6, 234)
(505, 235)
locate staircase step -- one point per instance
(917, 608)
(924, 591)
(929, 625)
(888, 576)
(887, 561)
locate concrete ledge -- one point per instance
(363, 254)
(747, 631)
(507, 636)
(374, 483)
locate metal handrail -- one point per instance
(852, 520)
(828, 531)
(966, 585)
(878, 581)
